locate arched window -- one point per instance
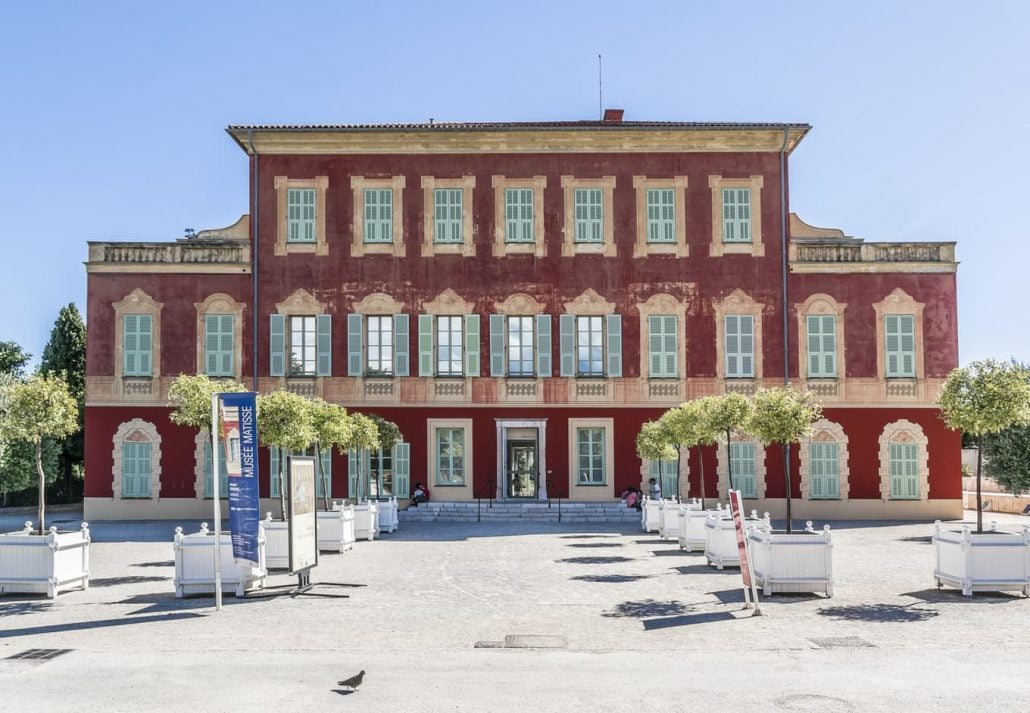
(824, 463)
(137, 460)
(904, 462)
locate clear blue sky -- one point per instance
(111, 113)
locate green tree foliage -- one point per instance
(18, 466)
(332, 427)
(284, 422)
(784, 416)
(190, 397)
(65, 355)
(724, 414)
(982, 399)
(365, 433)
(1007, 458)
(655, 440)
(389, 433)
(13, 358)
(39, 408)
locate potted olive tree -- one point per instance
(332, 428)
(284, 423)
(795, 561)
(47, 562)
(723, 415)
(983, 400)
(365, 434)
(656, 442)
(692, 428)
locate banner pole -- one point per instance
(217, 502)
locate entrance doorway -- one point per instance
(522, 473)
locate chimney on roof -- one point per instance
(613, 116)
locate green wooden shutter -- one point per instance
(471, 345)
(497, 339)
(401, 345)
(425, 345)
(355, 335)
(543, 345)
(567, 344)
(654, 346)
(831, 469)
(906, 330)
(900, 345)
(402, 470)
(136, 470)
(273, 472)
(352, 474)
(324, 344)
(146, 344)
(822, 345)
(661, 346)
(742, 456)
(130, 344)
(732, 346)
(614, 345)
(223, 474)
(277, 345)
(747, 345)
(128, 470)
(218, 344)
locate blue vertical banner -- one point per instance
(239, 430)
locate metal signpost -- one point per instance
(743, 549)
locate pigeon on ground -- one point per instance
(354, 681)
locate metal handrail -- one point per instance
(550, 485)
(490, 485)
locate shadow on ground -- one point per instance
(595, 560)
(611, 578)
(883, 613)
(594, 544)
(954, 596)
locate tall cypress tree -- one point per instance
(65, 355)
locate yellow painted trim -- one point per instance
(282, 186)
(756, 247)
(467, 246)
(606, 247)
(592, 492)
(500, 246)
(396, 247)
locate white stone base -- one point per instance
(44, 564)
(798, 562)
(993, 561)
(195, 564)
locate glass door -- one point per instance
(521, 470)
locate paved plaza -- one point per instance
(638, 625)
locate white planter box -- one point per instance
(692, 536)
(650, 514)
(277, 543)
(44, 564)
(669, 517)
(336, 528)
(721, 537)
(366, 520)
(798, 562)
(388, 515)
(994, 561)
(195, 564)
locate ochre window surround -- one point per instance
(220, 303)
(569, 246)
(820, 304)
(899, 302)
(395, 247)
(137, 430)
(467, 246)
(662, 304)
(903, 431)
(283, 184)
(679, 248)
(826, 431)
(137, 302)
(500, 245)
(737, 303)
(718, 247)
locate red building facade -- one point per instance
(519, 299)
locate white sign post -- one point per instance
(743, 549)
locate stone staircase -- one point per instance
(612, 511)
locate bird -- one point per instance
(354, 681)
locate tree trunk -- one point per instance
(979, 497)
(786, 478)
(42, 487)
(729, 464)
(701, 462)
(321, 476)
(282, 483)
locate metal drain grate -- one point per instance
(39, 654)
(842, 642)
(533, 641)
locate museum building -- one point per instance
(519, 298)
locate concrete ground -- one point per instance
(646, 626)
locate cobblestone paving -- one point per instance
(638, 624)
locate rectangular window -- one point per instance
(825, 471)
(589, 350)
(589, 215)
(661, 215)
(520, 346)
(904, 471)
(449, 346)
(378, 215)
(135, 469)
(740, 346)
(302, 346)
(218, 345)
(450, 456)
(137, 344)
(447, 215)
(518, 215)
(742, 461)
(590, 456)
(822, 346)
(736, 215)
(380, 346)
(901, 345)
(300, 222)
(223, 479)
(661, 346)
